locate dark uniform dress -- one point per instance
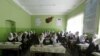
(47, 41)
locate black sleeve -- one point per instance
(91, 48)
(97, 48)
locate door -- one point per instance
(11, 26)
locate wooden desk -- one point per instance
(10, 45)
(4, 46)
(48, 48)
(96, 53)
(83, 46)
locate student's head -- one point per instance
(77, 33)
(95, 36)
(11, 34)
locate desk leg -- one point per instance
(48, 54)
(19, 52)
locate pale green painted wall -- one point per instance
(10, 11)
(99, 17)
(52, 26)
(76, 11)
(48, 26)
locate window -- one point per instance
(75, 24)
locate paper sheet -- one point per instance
(59, 22)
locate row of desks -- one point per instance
(85, 46)
(96, 53)
(43, 48)
(10, 45)
(37, 48)
(48, 48)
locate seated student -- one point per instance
(41, 38)
(79, 40)
(20, 36)
(82, 38)
(8, 52)
(90, 38)
(77, 37)
(96, 41)
(59, 36)
(11, 37)
(34, 39)
(54, 38)
(25, 46)
(15, 36)
(25, 37)
(92, 46)
(25, 41)
(90, 49)
(47, 40)
(97, 48)
(71, 38)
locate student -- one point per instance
(82, 38)
(34, 39)
(47, 41)
(15, 36)
(54, 38)
(11, 37)
(41, 38)
(20, 36)
(96, 41)
(90, 49)
(92, 46)
(24, 41)
(97, 48)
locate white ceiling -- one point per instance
(48, 7)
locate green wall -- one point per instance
(48, 26)
(52, 26)
(99, 17)
(10, 11)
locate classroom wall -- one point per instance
(52, 26)
(99, 18)
(10, 11)
(76, 11)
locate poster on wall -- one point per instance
(37, 21)
(59, 22)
